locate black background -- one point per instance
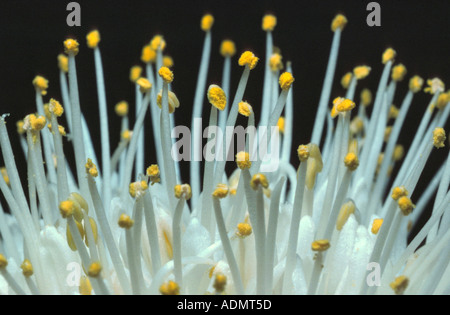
(32, 32)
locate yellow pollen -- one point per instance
(346, 210)
(259, 180)
(91, 168)
(41, 84)
(166, 74)
(361, 72)
(92, 39)
(207, 22)
(227, 48)
(275, 62)
(303, 152)
(61, 129)
(221, 191)
(71, 47)
(137, 189)
(405, 204)
(183, 191)
(94, 269)
(245, 109)
(4, 174)
(376, 225)
(388, 55)
(126, 135)
(3, 261)
(320, 245)
(154, 174)
(366, 97)
(338, 22)
(351, 161)
(220, 282)
(443, 100)
(341, 105)
(168, 62)
(217, 97)
(66, 208)
(346, 79)
(37, 123)
(400, 284)
(415, 84)
(399, 191)
(269, 22)
(27, 268)
(281, 124)
(434, 85)
(63, 63)
(85, 286)
(144, 85)
(55, 107)
(135, 73)
(173, 101)
(398, 72)
(158, 43)
(121, 108)
(169, 288)
(243, 229)
(125, 222)
(439, 137)
(243, 160)
(148, 54)
(248, 59)
(286, 80)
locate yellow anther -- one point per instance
(399, 152)
(243, 229)
(168, 61)
(227, 48)
(66, 208)
(173, 101)
(148, 54)
(61, 129)
(243, 160)
(4, 174)
(71, 46)
(245, 109)
(376, 225)
(398, 72)
(63, 63)
(221, 191)
(166, 74)
(91, 168)
(94, 269)
(434, 85)
(361, 72)
(85, 287)
(356, 125)
(281, 124)
(269, 22)
(125, 221)
(126, 135)
(286, 80)
(158, 43)
(400, 284)
(183, 191)
(144, 85)
(79, 203)
(387, 133)
(346, 79)
(27, 268)
(388, 55)
(69, 236)
(20, 129)
(121, 108)
(366, 97)
(216, 97)
(275, 62)
(443, 100)
(220, 282)
(405, 204)
(169, 288)
(55, 108)
(439, 137)
(207, 22)
(259, 180)
(303, 152)
(347, 209)
(37, 123)
(314, 166)
(320, 245)
(41, 84)
(137, 189)
(248, 59)
(92, 39)
(154, 174)
(393, 111)
(415, 84)
(135, 73)
(351, 161)
(3, 261)
(94, 231)
(341, 105)
(399, 191)
(338, 22)
(47, 113)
